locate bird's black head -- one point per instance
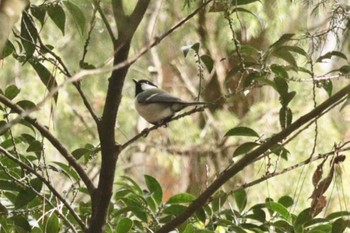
(143, 85)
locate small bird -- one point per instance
(155, 105)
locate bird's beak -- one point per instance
(135, 81)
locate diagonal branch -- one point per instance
(47, 183)
(146, 131)
(250, 157)
(53, 140)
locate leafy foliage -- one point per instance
(41, 193)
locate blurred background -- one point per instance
(187, 155)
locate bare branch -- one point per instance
(47, 183)
(54, 141)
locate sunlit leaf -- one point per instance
(53, 224)
(241, 199)
(155, 188)
(124, 225)
(280, 209)
(279, 71)
(181, 198)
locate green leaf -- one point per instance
(53, 224)
(285, 98)
(45, 76)
(26, 104)
(295, 49)
(281, 85)
(286, 56)
(286, 117)
(195, 47)
(302, 218)
(12, 91)
(279, 71)
(345, 69)
(66, 170)
(279, 150)
(27, 195)
(80, 152)
(283, 39)
(208, 62)
(124, 225)
(329, 55)
(39, 12)
(21, 224)
(200, 214)
(219, 200)
(181, 198)
(35, 146)
(286, 201)
(327, 85)
(245, 148)
(174, 209)
(340, 225)
(338, 214)
(280, 209)
(241, 199)
(7, 50)
(77, 14)
(155, 188)
(29, 35)
(56, 13)
(242, 131)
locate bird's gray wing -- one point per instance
(157, 96)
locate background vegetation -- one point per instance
(268, 156)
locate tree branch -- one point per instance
(146, 131)
(106, 127)
(56, 143)
(249, 157)
(47, 183)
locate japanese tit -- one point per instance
(155, 105)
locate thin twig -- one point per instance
(146, 131)
(47, 183)
(53, 140)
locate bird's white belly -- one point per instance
(153, 113)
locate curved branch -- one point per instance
(47, 134)
(248, 158)
(47, 183)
